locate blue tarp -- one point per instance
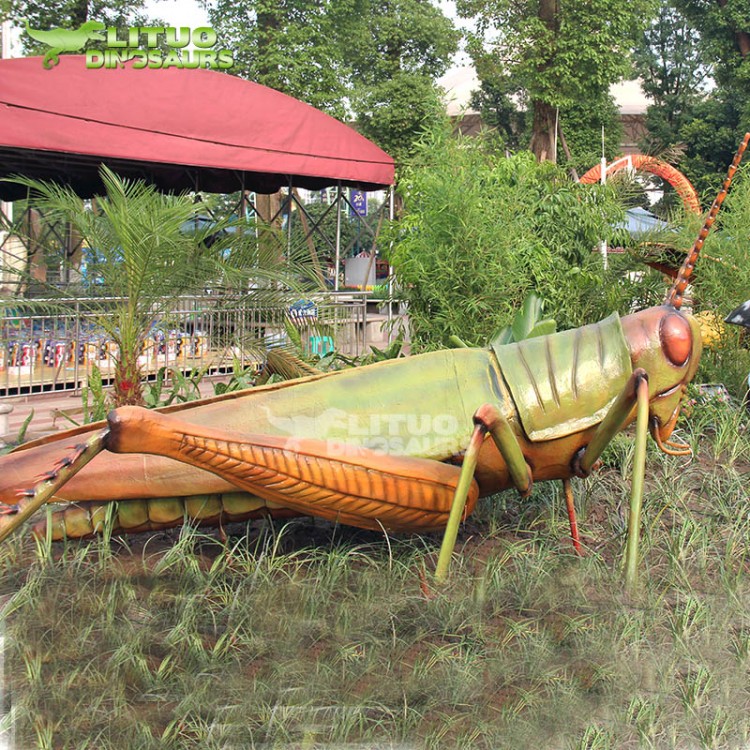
(639, 221)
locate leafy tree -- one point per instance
(500, 102)
(503, 108)
(694, 65)
(672, 73)
(514, 226)
(395, 50)
(559, 52)
(724, 27)
(711, 136)
(718, 123)
(382, 38)
(289, 45)
(393, 112)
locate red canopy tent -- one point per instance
(179, 129)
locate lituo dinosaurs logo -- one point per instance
(146, 46)
(66, 40)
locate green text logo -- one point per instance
(146, 46)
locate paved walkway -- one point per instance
(47, 410)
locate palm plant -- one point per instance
(147, 248)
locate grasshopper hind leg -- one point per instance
(341, 483)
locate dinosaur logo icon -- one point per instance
(65, 40)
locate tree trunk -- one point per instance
(543, 131)
(270, 239)
(128, 390)
(310, 241)
(545, 122)
(566, 151)
(742, 37)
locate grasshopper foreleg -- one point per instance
(507, 443)
(635, 393)
(636, 491)
(615, 419)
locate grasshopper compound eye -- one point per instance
(676, 338)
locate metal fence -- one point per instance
(53, 345)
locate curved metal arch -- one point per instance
(652, 165)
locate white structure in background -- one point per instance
(460, 83)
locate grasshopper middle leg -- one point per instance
(487, 420)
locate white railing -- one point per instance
(53, 345)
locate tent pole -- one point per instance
(338, 236)
(391, 207)
(6, 208)
(243, 199)
(289, 219)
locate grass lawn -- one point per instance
(307, 635)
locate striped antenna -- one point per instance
(674, 296)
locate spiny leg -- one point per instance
(32, 499)
(339, 482)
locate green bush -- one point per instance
(479, 231)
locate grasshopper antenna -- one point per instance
(674, 295)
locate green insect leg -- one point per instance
(459, 502)
(487, 419)
(615, 419)
(636, 492)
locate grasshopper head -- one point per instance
(667, 344)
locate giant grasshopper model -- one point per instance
(403, 445)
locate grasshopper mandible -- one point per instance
(402, 445)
